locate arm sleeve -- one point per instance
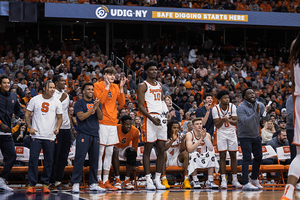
(59, 107)
(30, 106)
(233, 110)
(121, 98)
(135, 141)
(215, 113)
(208, 143)
(100, 93)
(78, 107)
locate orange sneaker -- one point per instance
(30, 190)
(118, 183)
(128, 185)
(284, 198)
(110, 186)
(45, 189)
(100, 184)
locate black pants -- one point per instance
(251, 145)
(86, 144)
(48, 150)
(290, 137)
(61, 153)
(7, 147)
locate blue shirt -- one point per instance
(201, 112)
(176, 116)
(90, 125)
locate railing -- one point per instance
(125, 69)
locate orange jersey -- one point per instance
(132, 137)
(108, 100)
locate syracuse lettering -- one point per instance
(152, 91)
(128, 13)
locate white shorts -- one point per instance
(202, 161)
(296, 140)
(227, 142)
(122, 152)
(153, 132)
(108, 135)
(173, 161)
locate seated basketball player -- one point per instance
(175, 153)
(201, 155)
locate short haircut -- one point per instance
(3, 77)
(56, 78)
(197, 119)
(207, 95)
(244, 92)
(125, 117)
(279, 132)
(222, 93)
(149, 64)
(168, 96)
(85, 84)
(109, 70)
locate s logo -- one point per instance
(45, 107)
(124, 140)
(90, 107)
(109, 95)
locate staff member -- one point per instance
(8, 105)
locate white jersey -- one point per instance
(153, 102)
(65, 108)
(202, 147)
(44, 116)
(297, 79)
(174, 150)
(218, 113)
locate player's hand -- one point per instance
(156, 121)
(63, 97)
(207, 107)
(172, 113)
(106, 81)
(32, 131)
(56, 131)
(267, 109)
(74, 132)
(96, 104)
(175, 135)
(258, 108)
(4, 127)
(225, 119)
(123, 81)
(203, 133)
(183, 136)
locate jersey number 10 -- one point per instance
(156, 96)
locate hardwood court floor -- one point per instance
(173, 194)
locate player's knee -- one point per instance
(131, 156)
(185, 154)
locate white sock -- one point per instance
(148, 177)
(105, 178)
(157, 176)
(57, 183)
(234, 177)
(289, 191)
(223, 177)
(126, 178)
(195, 178)
(99, 178)
(211, 178)
(117, 177)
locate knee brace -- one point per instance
(108, 156)
(131, 156)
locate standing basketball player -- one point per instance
(8, 106)
(88, 112)
(151, 104)
(46, 121)
(108, 93)
(63, 138)
(225, 119)
(294, 171)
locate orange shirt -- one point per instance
(86, 77)
(239, 85)
(108, 100)
(243, 7)
(132, 137)
(265, 7)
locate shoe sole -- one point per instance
(250, 189)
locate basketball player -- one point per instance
(126, 149)
(201, 155)
(63, 138)
(294, 171)
(225, 120)
(88, 112)
(108, 93)
(46, 122)
(8, 106)
(151, 104)
(175, 153)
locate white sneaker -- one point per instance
(256, 184)
(149, 185)
(249, 187)
(236, 184)
(75, 188)
(211, 185)
(224, 184)
(95, 187)
(3, 185)
(158, 185)
(298, 186)
(196, 184)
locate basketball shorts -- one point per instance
(122, 152)
(172, 160)
(296, 140)
(108, 135)
(227, 142)
(201, 161)
(153, 132)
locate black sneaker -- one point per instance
(61, 187)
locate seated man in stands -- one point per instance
(201, 154)
(175, 153)
(126, 149)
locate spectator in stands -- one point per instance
(253, 7)
(267, 132)
(193, 55)
(279, 141)
(173, 114)
(131, 85)
(229, 5)
(282, 7)
(243, 6)
(19, 133)
(27, 98)
(282, 124)
(188, 104)
(265, 7)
